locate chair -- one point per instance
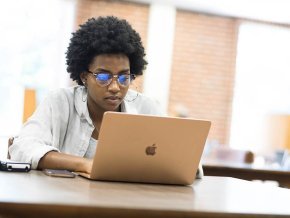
(29, 103)
(10, 142)
(227, 154)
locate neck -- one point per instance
(96, 113)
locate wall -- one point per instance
(203, 69)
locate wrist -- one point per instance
(84, 165)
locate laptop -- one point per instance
(148, 149)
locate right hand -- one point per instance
(57, 160)
(87, 166)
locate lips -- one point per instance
(113, 99)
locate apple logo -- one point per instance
(151, 150)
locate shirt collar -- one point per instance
(80, 98)
(127, 105)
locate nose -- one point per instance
(114, 86)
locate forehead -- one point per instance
(110, 61)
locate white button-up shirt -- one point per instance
(62, 123)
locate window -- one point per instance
(262, 85)
(33, 40)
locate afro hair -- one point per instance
(104, 35)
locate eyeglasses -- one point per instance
(105, 79)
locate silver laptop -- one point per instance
(149, 149)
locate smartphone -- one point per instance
(59, 173)
(13, 166)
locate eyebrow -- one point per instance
(108, 71)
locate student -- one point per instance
(103, 57)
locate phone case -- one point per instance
(59, 173)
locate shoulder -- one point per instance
(142, 103)
(62, 94)
(60, 98)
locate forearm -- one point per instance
(56, 160)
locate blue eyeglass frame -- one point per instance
(110, 78)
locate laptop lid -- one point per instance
(149, 149)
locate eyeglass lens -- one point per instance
(106, 78)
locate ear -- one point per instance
(83, 77)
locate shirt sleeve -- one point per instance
(35, 138)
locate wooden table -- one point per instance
(36, 195)
(246, 171)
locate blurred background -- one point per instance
(227, 61)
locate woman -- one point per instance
(103, 57)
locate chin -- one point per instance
(112, 108)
